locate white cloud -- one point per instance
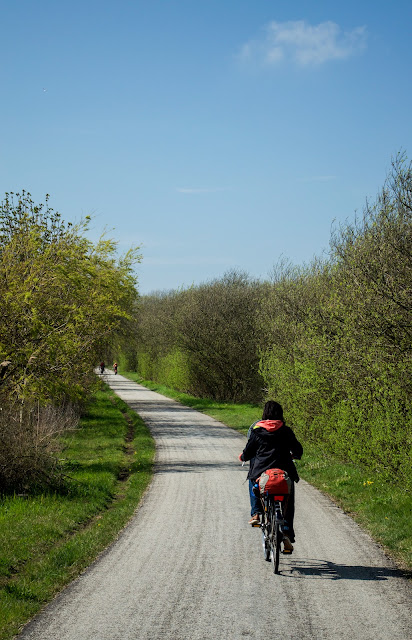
(304, 44)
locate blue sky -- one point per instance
(217, 135)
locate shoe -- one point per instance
(288, 533)
(255, 519)
(287, 545)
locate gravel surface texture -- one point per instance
(189, 567)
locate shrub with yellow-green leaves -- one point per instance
(63, 299)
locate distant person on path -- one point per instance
(272, 445)
(102, 365)
(115, 368)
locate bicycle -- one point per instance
(272, 528)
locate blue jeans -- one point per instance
(255, 503)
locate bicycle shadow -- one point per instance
(326, 570)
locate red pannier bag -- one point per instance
(275, 482)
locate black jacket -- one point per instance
(272, 445)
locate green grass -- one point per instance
(239, 417)
(47, 539)
(382, 509)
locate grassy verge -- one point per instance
(383, 509)
(47, 539)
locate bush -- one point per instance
(30, 444)
(203, 340)
(338, 349)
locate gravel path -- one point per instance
(189, 567)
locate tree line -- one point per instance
(330, 340)
(63, 301)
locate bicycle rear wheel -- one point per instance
(271, 534)
(276, 540)
(275, 536)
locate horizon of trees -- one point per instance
(330, 340)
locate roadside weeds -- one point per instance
(49, 539)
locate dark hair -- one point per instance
(272, 411)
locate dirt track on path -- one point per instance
(189, 567)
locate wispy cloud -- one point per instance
(200, 190)
(304, 44)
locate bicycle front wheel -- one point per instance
(267, 547)
(266, 532)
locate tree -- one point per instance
(203, 339)
(62, 300)
(217, 331)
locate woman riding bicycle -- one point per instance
(271, 444)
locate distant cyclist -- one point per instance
(272, 445)
(115, 368)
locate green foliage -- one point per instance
(203, 340)
(62, 299)
(338, 336)
(175, 369)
